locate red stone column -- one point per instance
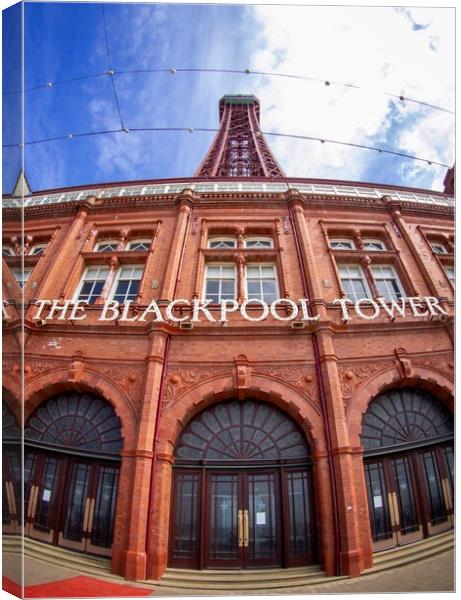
(306, 251)
(68, 249)
(158, 554)
(135, 559)
(353, 556)
(176, 250)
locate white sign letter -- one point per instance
(293, 305)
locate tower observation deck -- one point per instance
(239, 148)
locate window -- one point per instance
(92, 283)
(107, 246)
(354, 282)
(139, 245)
(387, 282)
(374, 245)
(450, 271)
(222, 242)
(342, 244)
(259, 242)
(127, 284)
(261, 282)
(220, 282)
(37, 250)
(8, 251)
(21, 276)
(438, 249)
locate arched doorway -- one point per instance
(407, 436)
(242, 490)
(72, 446)
(11, 471)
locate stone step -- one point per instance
(263, 585)
(399, 559)
(245, 574)
(441, 540)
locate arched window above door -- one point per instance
(404, 416)
(76, 421)
(10, 427)
(240, 431)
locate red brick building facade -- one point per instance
(244, 443)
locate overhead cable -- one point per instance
(124, 129)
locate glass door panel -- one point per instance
(380, 507)
(185, 523)
(436, 514)
(44, 500)
(101, 513)
(409, 526)
(76, 506)
(224, 520)
(262, 515)
(11, 486)
(300, 520)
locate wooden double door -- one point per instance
(70, 501)
(240, 519)
(410, 495)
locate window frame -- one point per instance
(39, 246)
(446, 268)
(258, 239)
(112, 292)
(145, 241)
(341, 240)
(276, 279)
(396, 279)
(22, 280)
(440, 245)
(222, 238)
(10, 249)
(76, 297)
(364, 279)
(383, 247)
(108, 241)
(235, 278)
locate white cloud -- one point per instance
(409, 52)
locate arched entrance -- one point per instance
(71, 467)
(242, 490)
(407, 436)
(11, 471)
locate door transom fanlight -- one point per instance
(73, 420)
(239, 431)
(404, 416)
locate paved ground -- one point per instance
(430, 575)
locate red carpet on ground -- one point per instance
(75, 587)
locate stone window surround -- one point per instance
(241, 256)
(440, 235)
(359, 231)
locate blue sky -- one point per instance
(381, 49)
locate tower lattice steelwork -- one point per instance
(239, 148)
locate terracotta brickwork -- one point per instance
(157, 376)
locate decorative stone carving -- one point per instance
(403, 362)
(179, 382)
(353, 375)
(298, 378)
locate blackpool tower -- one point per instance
(239, 148)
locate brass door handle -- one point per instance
(32, 501)
(390, 502)
(89, 524)
(246, 529)
(447, 494)
(10, 497)
(85, 514)
(396, 509)
(240, 527)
